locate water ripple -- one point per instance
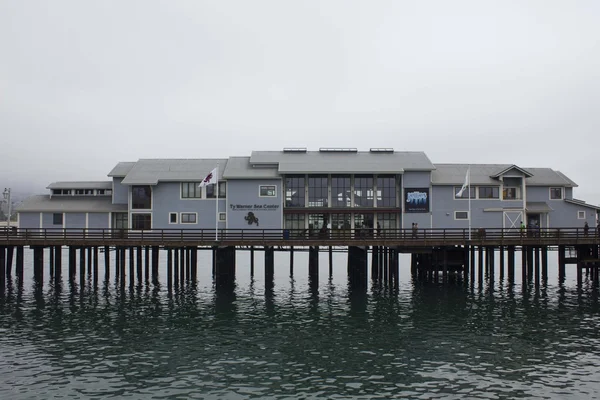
(296, 341)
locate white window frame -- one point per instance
(188, 223)
(562, 193)
(457, 189)
(488, 198)
(461, 219)
(518, 196)
(580, 213)
(222, 217)
(261, 186)
(130, 220)
(176, 218)
(202, 191)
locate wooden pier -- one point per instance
(435, 253)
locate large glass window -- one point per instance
(121, 221)
(386, 191)
(340, 191)
(465, 193)
(191, 190)
(386, 221)
(363, 221)
(141, 197)
(295, 223)
(363, 191)
(295, 196)
(141, 221)
(317, 223)
(210, 190)
(489, 192)
(340, 225)
(317, 191)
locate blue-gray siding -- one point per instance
(120, 192)
(29, 220)
(563, 214)
(415, 179)
(167, 199)
(48, 221)
(98, 220)
(268, 210)
(444, 205)
(74, 220)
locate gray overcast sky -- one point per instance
(85, 84)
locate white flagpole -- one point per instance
(217, 206)
(469, 182)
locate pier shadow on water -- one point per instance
(298, 337)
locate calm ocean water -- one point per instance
(426, 340)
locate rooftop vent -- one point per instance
(381, 150)
(337, 150)
(294, 150)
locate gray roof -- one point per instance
(538, 206)
(240, 168)
(350, 162)
(80, 185)
(151, 171)
(121, 169)
(43, 203)
(508, 169)
(582, 203)
(481, 174)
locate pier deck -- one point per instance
(406, 238)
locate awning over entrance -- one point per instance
(538, 207)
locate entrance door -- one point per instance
(512, 220)
(533, 220)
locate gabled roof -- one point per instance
(151, 171)
(43, 203)
(482, 174)
(240, 168)
(505, 170)
(311, 162)
(81, 185)
(121, 169)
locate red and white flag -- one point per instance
(210, 178)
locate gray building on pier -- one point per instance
(337, 188)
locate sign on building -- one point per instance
(416, 200)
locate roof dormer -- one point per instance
(512, 171)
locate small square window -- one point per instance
(556, 194)
(268, 191)
(188, 218)
(580, 214)
(461, 215)
(222, 216)
(172, 218)
(57, 219)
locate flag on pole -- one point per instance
(464, 186)
(210, 178)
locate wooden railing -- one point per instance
(399, 236)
